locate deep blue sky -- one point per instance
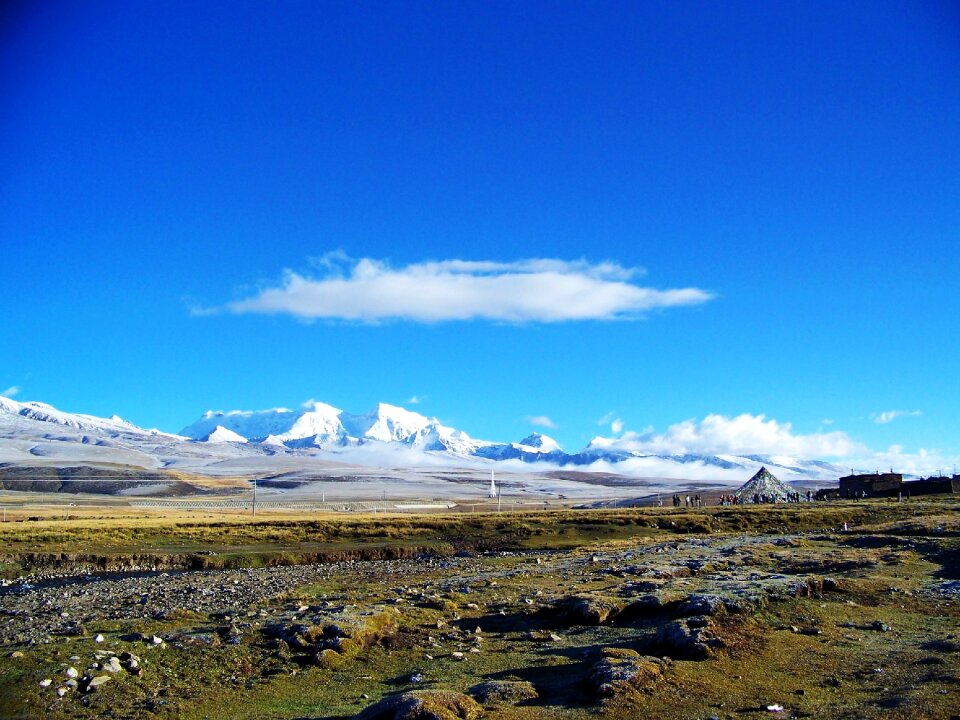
(799, 161)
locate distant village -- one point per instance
(889, 484)
(764, 487)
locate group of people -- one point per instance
(757, 499)
(760, 499)
(687, 500)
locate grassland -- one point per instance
(825, 623)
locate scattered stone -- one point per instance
(499, 692)
(98, 638)
(879, 626)
(92, 684)
(46, 682)
(72, 672)
(61, 691)
(75, 630)
(112, 665)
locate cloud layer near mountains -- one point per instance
(534, 290)
(741, 435)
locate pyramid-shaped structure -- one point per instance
(763, 483)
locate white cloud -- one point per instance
(11, 391)
(890, 415)
(415, 399)
(532, 290)
(616, 426)
(541, 421)
(741, 435)
(924, 462)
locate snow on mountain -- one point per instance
(41, 412)
(540, 443)
(319, 420)
(221, 434)
(319, 425)
(247, 424)
(533, 448)
(387, 423)
(36, 430)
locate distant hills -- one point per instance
(219, 442)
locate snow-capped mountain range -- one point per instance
(33, 431)
(320, 426)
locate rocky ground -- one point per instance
(824, 624)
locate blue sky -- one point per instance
(752, 209)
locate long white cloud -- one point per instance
(542, 421)
(741, 435)
(533, 290)
(888, 416)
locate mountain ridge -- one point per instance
(324, 431)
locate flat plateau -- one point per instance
(725, 612)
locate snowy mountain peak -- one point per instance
(42, 412)
(387, 423)
(540, 442)
(321, 408)
(220, 434)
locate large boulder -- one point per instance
(423, 705)
(617, 673)
(587, 609)
(692, 638)
(701, 604)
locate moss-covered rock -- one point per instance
(586, 609)
(619, 672)
(504, 692)
(423, 705)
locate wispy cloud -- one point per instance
(887, 416)
(534, 290)
(741, 435)
(615, 423)
(541, 421)
(415, 399)
(11, 391)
